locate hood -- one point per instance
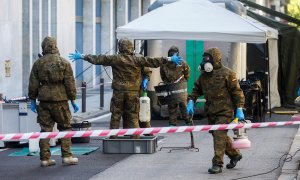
(125, 46)
(216, 55)
(49, 46)
(172, 50)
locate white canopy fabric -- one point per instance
(196, 20)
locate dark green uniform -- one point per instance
(223, 94)
(126, 83)
(52, 83)
(170, 73)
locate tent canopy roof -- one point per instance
(196, 20)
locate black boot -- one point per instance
(215, 169)
(233, 161)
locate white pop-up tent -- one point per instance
(195, 20)
(206, 21)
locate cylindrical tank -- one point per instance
(144, 114)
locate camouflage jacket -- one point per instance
(170, 73)
(51, 77)
(126, 68)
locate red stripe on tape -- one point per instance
(87, 134)
(52, 135)
(121, 132)
(189, 129)
(139, 131)
(206, 128)
(17, 137)
(288, 123)
(172, 130)
(35, 135)
(104, 133)
(222, 127)
(156, 130)
(255, 125)
(70, 134)
(2, 136)
(272, 124)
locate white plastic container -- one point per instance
(144, 114)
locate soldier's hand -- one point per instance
(176, 60)
(33, 106)
(144, 84)
(75, 56)
(239, 114)
(190, 107)
(75, 106)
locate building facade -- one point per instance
(86, 25)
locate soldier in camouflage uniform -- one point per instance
(52, 83)
(126, 68)
(170, 73)
(223, 94)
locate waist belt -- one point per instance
(168, 93)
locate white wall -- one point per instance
(11, 47)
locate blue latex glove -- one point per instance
(75, 106)
(144, 84)
(75, 56)
(239, 114)
(33, 106)
(298, 92)
(190, 107)
(177, 60)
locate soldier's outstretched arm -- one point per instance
(106, 60)
(156, 62)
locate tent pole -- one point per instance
(266, 49)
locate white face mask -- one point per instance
(208, 67)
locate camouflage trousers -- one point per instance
(222, 142)
(173, 112)
(125, 104)
(50, 113)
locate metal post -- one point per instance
(83, 97)
(101, 93)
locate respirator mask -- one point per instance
(207, 63)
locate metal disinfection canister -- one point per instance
(144, 114)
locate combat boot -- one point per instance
(70, 161)
(49, 162)
(233, 161)
(215, 169)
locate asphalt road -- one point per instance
(268, 145)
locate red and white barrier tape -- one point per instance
(139, 131)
